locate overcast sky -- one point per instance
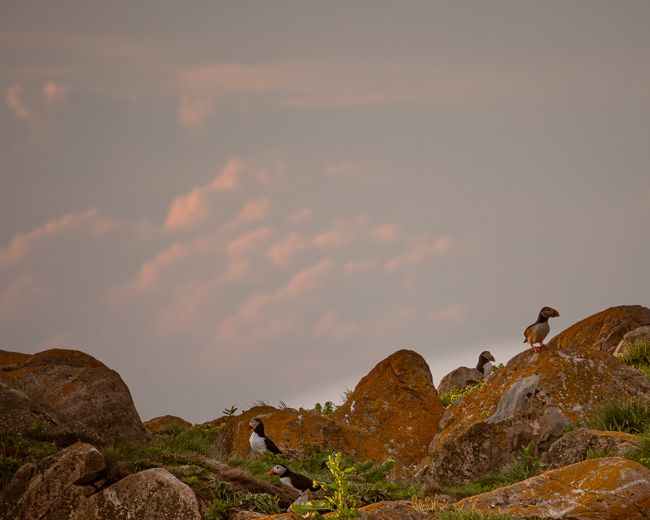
(231, 201)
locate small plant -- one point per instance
(642, 453)
(229, 412)
(325, 409)
(638, 355)
(338, 498)
(17, 449)
(623, 416)
(191, 481)
(455, 393)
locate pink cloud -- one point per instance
(15, 99)
(301, 215)
(359, 266)
(332, 327)
(248, 242)
(188, 210)
(91, 221)
(281, 252)
(417, 254)
(253, 210)
(54, 92)
(384, 234)
(450, 316)
(334, 238)
(17, 298)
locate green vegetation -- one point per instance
(325, 409)
(623, 416)
(638, 356)
(17, 449)
(449, 398)
(224, 499)
(642, 454)
(526, 465)
(450, 514)
(228, 412)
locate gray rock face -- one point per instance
(515, 399)
(460, 378)
(575, 445)
(70, 394)
(638, 334)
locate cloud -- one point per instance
(280, 253)
(15, 99)
(420, 252)
(188, 210)
(342, 169)
(54, 92)
(253, 210)
(384, 234)
(301, 216)
(92, 221)
(336, 237)
(359, 266)
(16, 299)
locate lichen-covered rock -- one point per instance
(166, 421)
(396, 402)
(398, 510)
(530, 400)
(604, 330)
(461, 378)
(70, 394)
(577, 444)
(598, 489)
(297, 432)
(153, 494)
(61, 478)
(640, 334)
(392, 413)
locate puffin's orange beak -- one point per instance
(271, 472)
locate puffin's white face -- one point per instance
(549, 312)
(253, 423)
(278, 469)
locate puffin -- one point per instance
(536, 332)
(484, 366)
(293, 480)
(259, 442)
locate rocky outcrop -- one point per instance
(604, 330)
(577, 445)
(461, 378)
(641, 334)
(397, 403)
(148, 495)
(402, 510)
(605, 489)
(297, 433)
(392, 413)
(530, 400)
(65, 487)
(71, 395)
(61, 479)
(166, 421)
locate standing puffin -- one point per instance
(536, 332)
(293, 480)
(484, 366)
(259, 442)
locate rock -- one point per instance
(297, 433)
(62, 477)
(166, 421)
(529, 400)
(397, 403)
(604, 330)
(152, 494)
(607, 489)
(575, 445)
(640, 334)
(460, 378)
(392, 413)
(70, 394)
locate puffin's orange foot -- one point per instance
(543, 346)
(536, 349)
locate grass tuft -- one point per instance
(455, 393)
(631, 416)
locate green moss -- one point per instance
(449, 398)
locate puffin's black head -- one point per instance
(548, 312)
(256, 425)
(485, 355)
(278, 470)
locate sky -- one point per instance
(229, 202)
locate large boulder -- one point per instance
(392, 413)
(530, 400)
(61, 478)
(398, 510)
(297, 433)
(71, 395)
(152, 494)
(396, 402)
(606, 489)
(578, 444)
(604, 330)
(638, 335)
